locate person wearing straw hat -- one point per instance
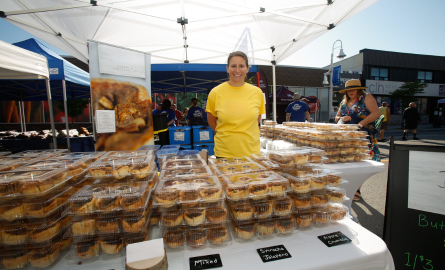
(359, 107)
(297, 111)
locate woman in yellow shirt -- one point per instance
(234, 110)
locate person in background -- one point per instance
(166, 108)
(333, 114)
(297, 111)
(184, 113)
(194, 112)
(411, 116)
(384, 110)
(178, 114)
(359, 107)
(234, 109)
(158, 108)
(305, 101)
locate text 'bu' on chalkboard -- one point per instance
(269, 254)
(334, 239)
(205, 262)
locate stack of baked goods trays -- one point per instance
(190, 200)
(316, 192)
(32, 199)
(342, 143)
(113, 209)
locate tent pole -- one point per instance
(51, 114)
(66, 115)
(92, 121)
(43, 110)
(274, 105)
(24, 116)
(20, 115)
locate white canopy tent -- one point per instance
(184, 31)
(20, 64)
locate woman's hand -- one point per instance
(346, 118)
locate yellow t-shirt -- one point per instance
(237, 110)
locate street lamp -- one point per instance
(340, 56)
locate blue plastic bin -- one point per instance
(180, 135)
(185, 147)
(202, 134)
(207, 146)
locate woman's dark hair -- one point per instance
(240, 54)
(166, 104)
(194, 102)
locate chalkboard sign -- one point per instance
(269, 254)
(414, 228)
(205, 262)
(334, 239)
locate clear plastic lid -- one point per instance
(27, 184)
(77, 155)
(182, 157)
(269, 123)
(257, 229)
(337, 211)
(120, 169)
(321, 216)
(289, 158)
(332, 151)
(256, 185)
(335, 194)
(195, 216)
(166, 152)
(239, 169)
(187, 192)
(40, 153)
(259, 156)
(301, 200)
(71, 164)
(42, 207)
(229, 161)
(188, 173)
(130, 153)
(188, 152)
(183, 164)
(4, 153)
(110, 198)
(153, 148)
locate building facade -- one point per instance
(383, 72)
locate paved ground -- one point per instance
(370, 210)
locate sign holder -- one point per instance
(415, 238)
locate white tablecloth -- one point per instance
(366, 252)
(356, 173)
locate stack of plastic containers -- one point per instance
(11, 162)
(203, 139)
(256, 198)
(191, 204)
(342, 143)
(316, 192)
(32, 226)
(114, 209)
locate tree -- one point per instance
(407, 92)
(75, 107)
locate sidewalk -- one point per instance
(425, 127)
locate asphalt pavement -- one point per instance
(370, 210)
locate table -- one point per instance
(366, 252)
(78, 144)
(356, 173)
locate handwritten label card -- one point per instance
(269, 254)
(179, 136)
(334, 239)
(205, 262)
(204, 135)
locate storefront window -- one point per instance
(379, 74)
(425, 76)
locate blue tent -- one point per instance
(77, 81)
(190, 78)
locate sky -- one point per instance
(390, 25)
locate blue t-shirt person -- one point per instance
(297, 111)
(170, 115)
(194, 112)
